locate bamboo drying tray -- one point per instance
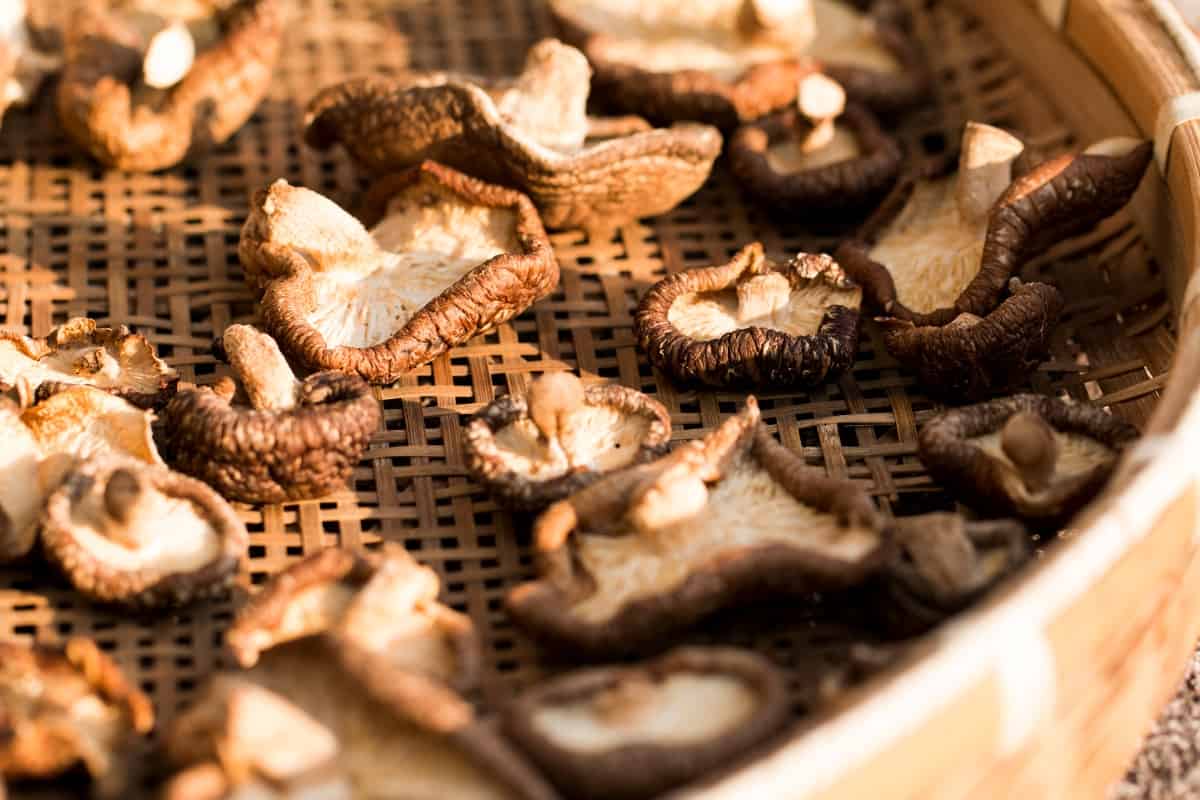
(1042, 690)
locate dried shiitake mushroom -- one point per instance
(68, 705)
(939, 255)
(377, 602)
(822, 156)
(130, 93)
(752, 321)
(531, 133)
(285, 440)
(731, 61)
(26, 59)
(531, 451)
(21, 491)
(142, 536)
(648, 551)
(80, 352)
(942, 561)
(633, 732)
(448, 257)
(1028, 456)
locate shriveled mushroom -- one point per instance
(732, 61)
(939, 255)
(448, 257)
(297, 439)
(1029, 456)
(80, 352)
(142, 536)
(530, 133)
(632, 732)
(381, 603)
(820, 157)
(942, 561)
(68, 705)
(752, 321)
(646, 552)
(531, 452)
(24, 62)
(148, 84)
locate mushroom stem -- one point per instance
(121, 494)
(552, 399)
(1030, 444)
(169, 56)
(794, 21)
(820, 100)
(667, 499)
(546, 92)
(261, 367)
(984, 168)
(762, 295)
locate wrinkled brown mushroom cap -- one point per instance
(632, 732)
(96, 104)
(141, 536)
(759, 89)
(769, 350)
(280, 251)
(390, 123)
(842, 185)
(60, 706)
(644, 553)
(79, 352)
(969, 358)
(957, 448)
(614, 428)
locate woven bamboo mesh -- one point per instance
(159, 252)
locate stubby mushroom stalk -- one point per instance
(666, 499)
(1030, 444)
(121, 495)
(791, 21)
(169, 56)
(820, 100)
(984, 168)
(264, 372)
(552, 399)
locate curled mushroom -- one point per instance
(942, 561)
(648, 551)
(530, 452)
(820, 157)
(145, 87)
(631, 732)
(530, 133)
(1028, 456)
(143, 536)
(25, 61)
(727, 62)
(80, 352)
(941, 253)
(68, 705)
(295, 440)
(448, 257)
(752, 321)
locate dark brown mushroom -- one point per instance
(989, 454)
(752, 322)
(449, 257)
(633, 732)
(117, 98)
(820, 157)
(727, 63)
(79, 352)
(531, 133)
(381, 602)
(68, 705)
(646, 552)
(530, 452)
(942, 561)
(141, 536)
(25, 60)
(289, 440)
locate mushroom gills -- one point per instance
(787, 158)
(672, 35)
(424, 245)
(680, 709)
(82, 422)
(746, 509)
(710, 315)
(92, 365)
(595, 437)
(1077, 455)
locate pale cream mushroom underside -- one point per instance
(819, 102)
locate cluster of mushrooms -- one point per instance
(352, 680)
